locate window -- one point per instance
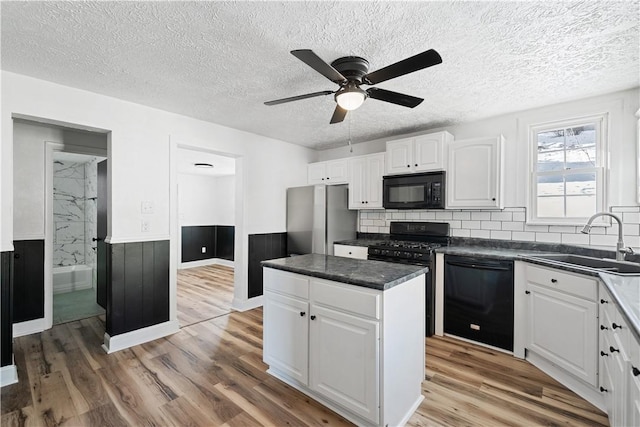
(567, 170)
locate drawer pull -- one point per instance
(602, 353)
(554, 280)
(302, 313)
(635, 371)
(604, 301)
(613, 350)
(313, 317)
(603, 390)
(602, 328)
(615, 326)
(527, 292)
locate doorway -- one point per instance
(74, 254)
(206, 207)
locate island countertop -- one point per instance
(378, 275)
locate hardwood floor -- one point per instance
(211, 373)
(204, 293)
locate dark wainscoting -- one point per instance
(263, 247)
(28, 280)
(6, 310)
(218, 239)
(138, 292)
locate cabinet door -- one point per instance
(563, 329)
(347, 251)
(474, 174)
(344, 361)
(400, 156)
(375, 172)
(337, 172)
(357, 183)
(316, 173)
(286, 335)
(428, 152)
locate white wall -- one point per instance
(139, 148)
(206, 200)
(622, 149)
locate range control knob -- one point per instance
(417, 255)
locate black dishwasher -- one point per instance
(478, 300)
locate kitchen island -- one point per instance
(347, 332)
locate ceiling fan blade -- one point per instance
(314, 61)
(406, 66)
(394, 97)
(299, 97)
(338, 115)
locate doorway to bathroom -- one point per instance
(75, 236)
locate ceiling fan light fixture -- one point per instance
(350, 97)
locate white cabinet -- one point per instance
(329, 172)
(619, 355)
(475, 173)
(346, 346)
(418, 154)
(562, 321)
(348, 251)
(365, 181)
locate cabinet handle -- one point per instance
(416, 165)
(313, 317)
(408, 166)
(602, 353)
(493, 199)
(322, 179)
(350, 253)
(554, 280)
(635, 371)
(604, 301)
(614, 326)
(328, 178)
(527, 292)
(602, 328)
(603, 390)
(302, 313)
(613, 350)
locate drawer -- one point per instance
(573, 284)
(347, 298)
(286, 283)
(359, 252)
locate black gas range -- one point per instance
(411, 242)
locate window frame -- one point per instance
(600, 122)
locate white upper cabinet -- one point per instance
(418, 154)
(329, 172)
(365, 181)
(475, 173)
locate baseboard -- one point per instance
(29, 327)
(204, 262)
(139, 336)
(8, 375)
(248, 304)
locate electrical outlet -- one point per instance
(204, 249)
(145, 226)
(146, 207)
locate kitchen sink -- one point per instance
(600, 264)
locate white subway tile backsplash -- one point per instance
(575, 239)
(426, 216)
(460, 232)
(615, 209)
(399, 216)
(455, 224)
(501, 216)
(603, 240)
(413, 216)
(525, 236)
(462, 216)
(366, 222)
(490, 225)
(470, 224)
(501, 235)
(562, 229)
(537, 228)
(631, 229)
(631, 218)
(481, 216)
(444, 215)
(380, 222)
(633, 241)
(383, 230)
(513, 226)
(519, 216)
(482, 234)
(549, 237)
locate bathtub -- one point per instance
(71, 278)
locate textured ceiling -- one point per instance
(219, 61)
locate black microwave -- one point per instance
(414, 191)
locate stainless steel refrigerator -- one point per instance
(317, 216)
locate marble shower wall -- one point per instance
(74, 213)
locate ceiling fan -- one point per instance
(350, 72)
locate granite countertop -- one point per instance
(378, 275)
(486, 252)
(625, 290)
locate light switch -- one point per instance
(145, 226)
(147, 207)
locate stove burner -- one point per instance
(409, 245)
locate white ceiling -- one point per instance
(219, 61)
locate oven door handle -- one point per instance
(481, 265)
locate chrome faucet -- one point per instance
(621, 251)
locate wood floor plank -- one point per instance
(211, 373)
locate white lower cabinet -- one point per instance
(348, 251)
(327, 339)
